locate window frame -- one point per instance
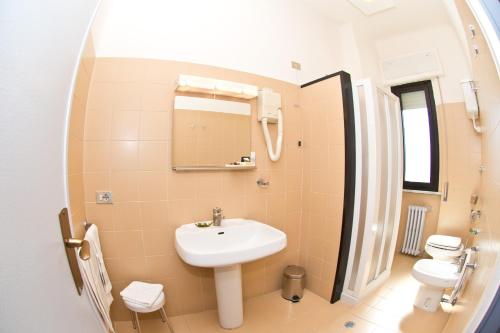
(426, 86)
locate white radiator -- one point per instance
(414, 230)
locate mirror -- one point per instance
(209, 133)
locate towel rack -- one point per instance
(86, 225)
(70, 244)
(469, 265)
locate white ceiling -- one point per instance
(407, 15)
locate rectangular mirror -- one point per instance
(209, 133)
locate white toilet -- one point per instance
(439, 273)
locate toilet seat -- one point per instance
(436, 273)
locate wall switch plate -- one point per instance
(104, 197)
(296, 65)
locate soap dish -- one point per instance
(203, 224)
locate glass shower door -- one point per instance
(378, 188)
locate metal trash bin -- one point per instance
(294, 281)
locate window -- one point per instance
(420, 136)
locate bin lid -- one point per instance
(294, 272)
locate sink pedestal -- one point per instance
(229, 295)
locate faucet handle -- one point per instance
(217, 210)
(475, 214)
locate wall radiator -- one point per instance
(414, 230)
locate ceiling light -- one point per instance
(370, 7)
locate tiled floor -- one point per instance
(389, 309)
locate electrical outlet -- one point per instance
(104, 197)
(296, 65)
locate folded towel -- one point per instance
(134, 302)
(141, 293)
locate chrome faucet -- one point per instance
(217, 216)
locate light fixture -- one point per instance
(191, 83)
(370, 7)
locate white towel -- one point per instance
(143, 305)
(92, 235)
(141, 293)
(96, 279)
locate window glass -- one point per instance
(417, 144)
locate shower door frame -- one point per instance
(372, 159)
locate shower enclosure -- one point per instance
(379, 183)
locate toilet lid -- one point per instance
(444, 242)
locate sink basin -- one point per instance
(236, 241)
(225, 248)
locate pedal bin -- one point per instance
(294, 281)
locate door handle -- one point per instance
(84, 246)
(70, 244)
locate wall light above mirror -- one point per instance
(198, 84)
(210, 134)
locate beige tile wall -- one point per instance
(489, 239)
(463, 161)
(75, 139)
(127, 151)
(323, 191)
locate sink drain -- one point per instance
(349, 324)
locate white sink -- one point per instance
(236, 241)
(225, 248)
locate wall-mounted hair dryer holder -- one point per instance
(269, 112)
(471, 105)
